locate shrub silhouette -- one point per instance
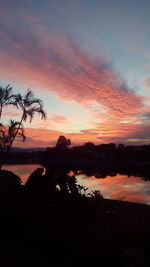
(53, 181)
(56, 182)
(10, 183)
(62, 179)
(42, 185)
(95, 194)
(72, 184)
(34, 181)
(82, 189)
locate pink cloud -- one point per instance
(57, 64)
(59, 119)
(44, 138)
(50, 60)
(147, 83)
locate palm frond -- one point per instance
(21, 133)
(30, 105)
(30, 113)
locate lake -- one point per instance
(119, 187)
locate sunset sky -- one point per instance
(89, 61)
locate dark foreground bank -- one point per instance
(49, 221)
(74, 232)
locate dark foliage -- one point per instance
(56, 224)
(52, 182)
(88, 153)
(62, 142)
(10, 183)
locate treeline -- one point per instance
(87, 152)
(103, 152)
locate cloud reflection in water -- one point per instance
(120, 187)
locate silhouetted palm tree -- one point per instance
(7, 134)
(29, 105)
(14, 131)
(6, 97)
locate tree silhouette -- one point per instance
(63, 142)
(29, 106)
(89, 145)
(7, 134)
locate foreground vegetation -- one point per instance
(51, 215)
(28, 106)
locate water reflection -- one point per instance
(120, 187)
(112, 185)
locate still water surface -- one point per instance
(119, 187)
